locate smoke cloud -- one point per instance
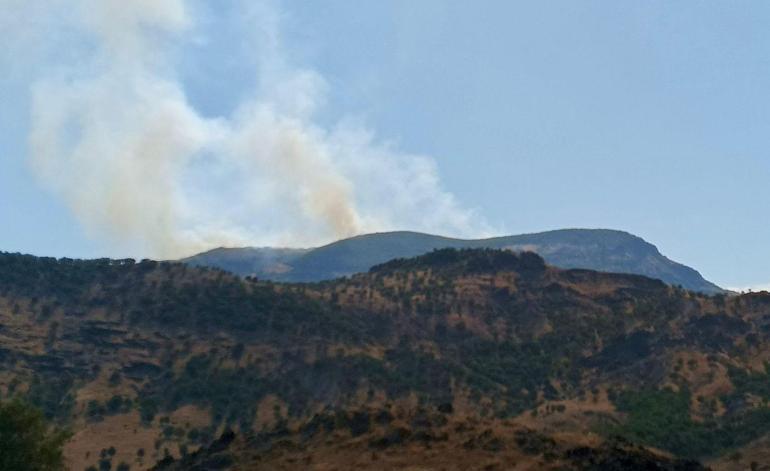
(114, 134)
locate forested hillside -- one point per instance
(493, 354)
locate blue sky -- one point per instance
(651, 117)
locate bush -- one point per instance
(661, 418)
(27, 443)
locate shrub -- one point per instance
(27, 443)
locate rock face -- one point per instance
(593, 249)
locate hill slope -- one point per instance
(594, 249)
(478, 356)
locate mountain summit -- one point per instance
(595, 249)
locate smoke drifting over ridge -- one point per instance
(114, 134)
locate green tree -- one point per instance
(27, 442)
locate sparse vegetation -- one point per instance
(502, 331)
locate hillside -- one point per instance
(472, 359)
(593, 249)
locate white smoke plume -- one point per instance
(114, 134)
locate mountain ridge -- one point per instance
(487, 352)
(606, 250)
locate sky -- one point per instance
(157, 128)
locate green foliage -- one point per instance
(522, 370)
(467, 261)
(47, 277)
(118, 405)
(96, 411)
(661, 418)
(27, 443)
(148, 407)
(191, 299)
(749, 382)
(513, 374)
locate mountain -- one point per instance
(265, 262)
(594, 249)
(456, 359)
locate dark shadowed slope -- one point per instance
(594, 249)
(265, 262)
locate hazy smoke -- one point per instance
(114, 134)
